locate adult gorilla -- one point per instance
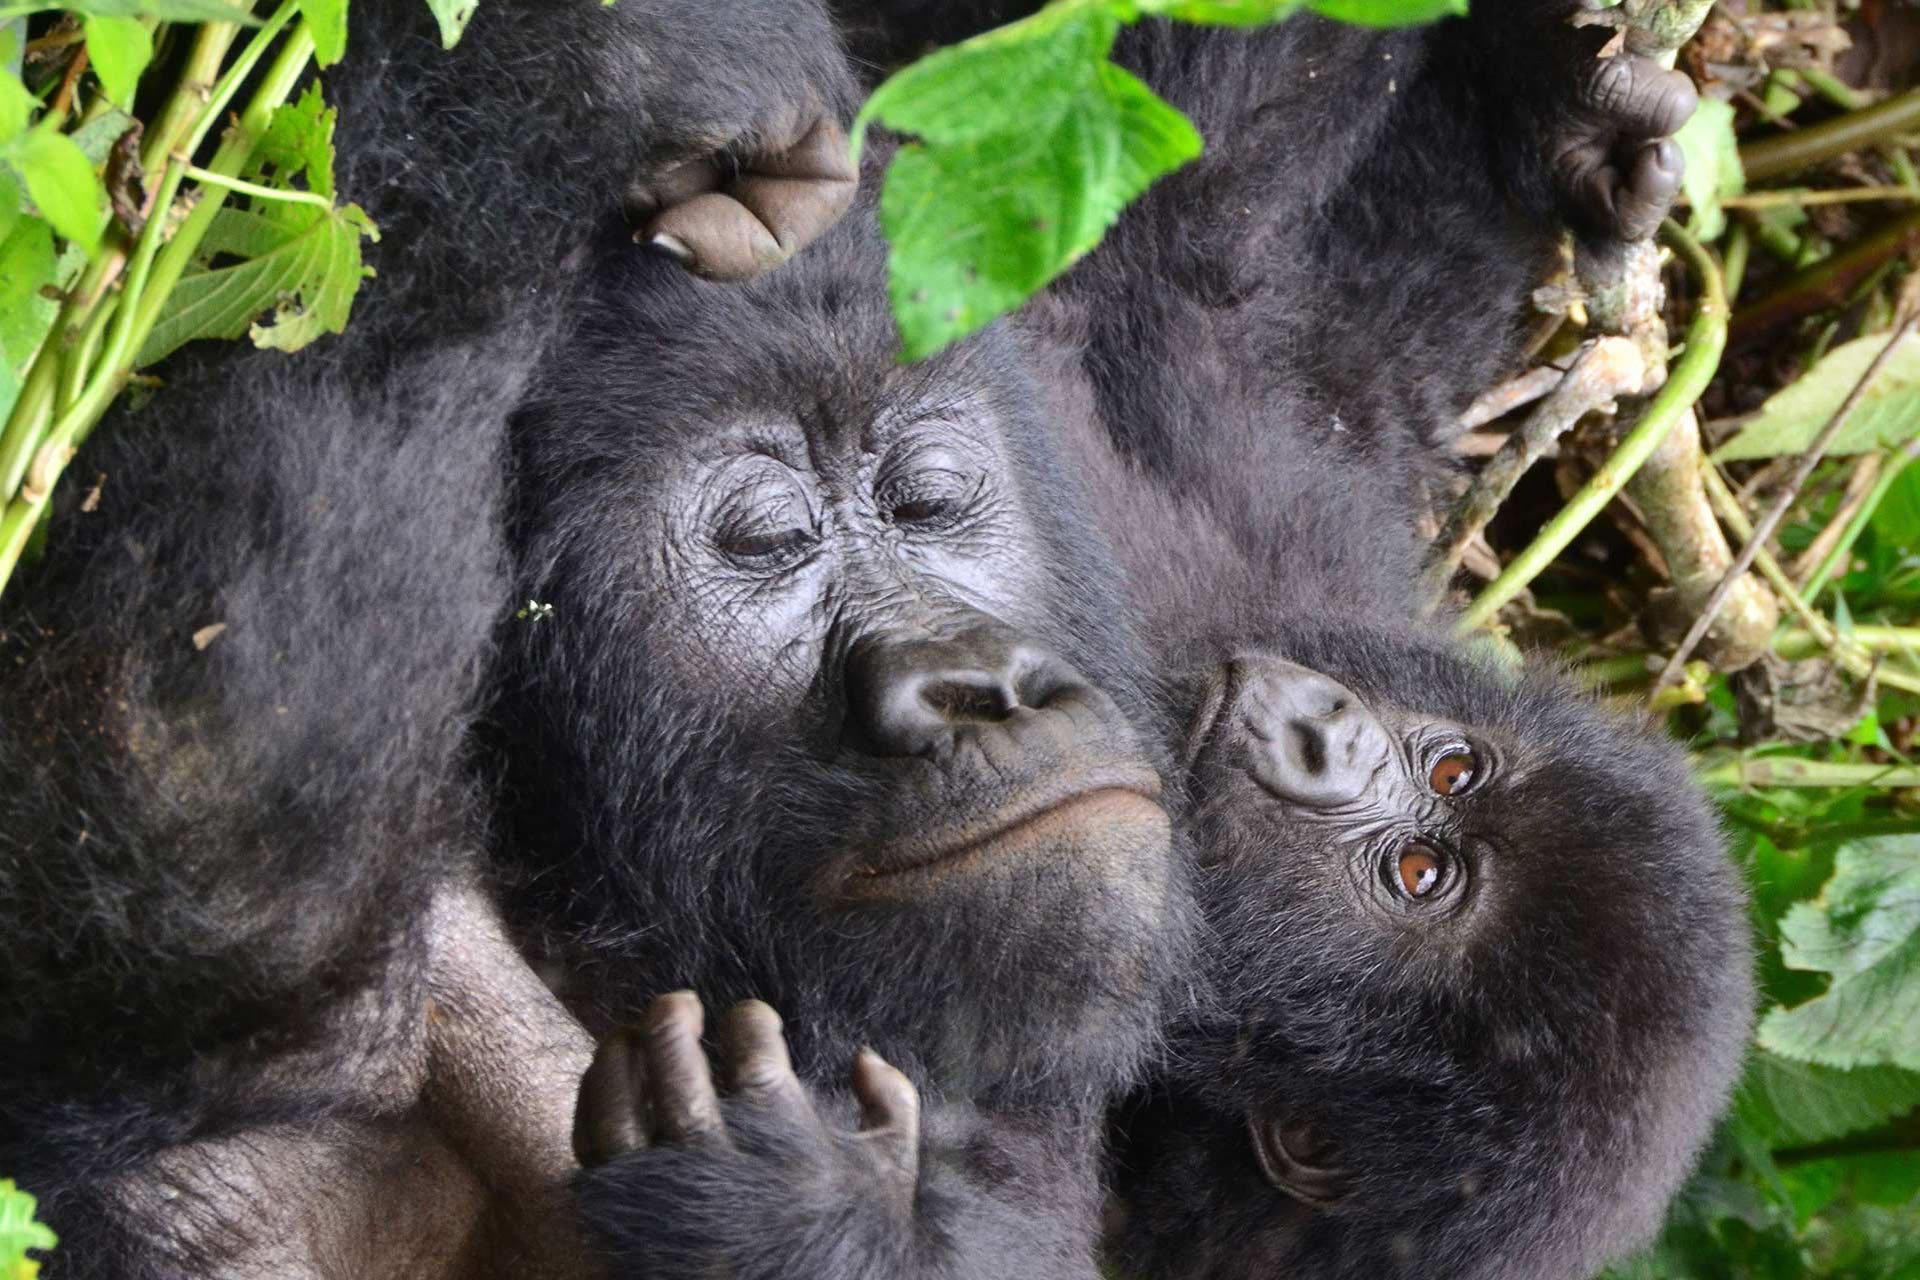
(836, 708)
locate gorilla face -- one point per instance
(832, 708)
(1480, 957)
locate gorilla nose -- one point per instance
(910, 697)
(1312, 740)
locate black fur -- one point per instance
(214, 864)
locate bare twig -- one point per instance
(1510, 395)
(1672, 503)
(1788, 496)
(1706, 338)
(1603, 370)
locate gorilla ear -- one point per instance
(1296, 1159)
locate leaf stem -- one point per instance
(1786, 771)
(254, 189)
(1802, 196)
(1890, 471)
(1706, 337)
(1786, 153)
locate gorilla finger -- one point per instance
(1653, 180)
(1638, 96)
(610, 1115)
(754, 1049)
(684, 1104)
(889, 1109)
(1592, 187)
(677, 185)
(715, 236)
(801, 192)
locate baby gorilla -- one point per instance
(1476, 977)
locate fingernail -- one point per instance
(767, 251)
(673, 246)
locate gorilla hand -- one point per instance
(736, 214)
(756, 1182)
(1615, 164)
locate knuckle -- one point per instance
(1610, 86)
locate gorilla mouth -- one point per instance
(1045, 816)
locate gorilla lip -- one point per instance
(1043, 805)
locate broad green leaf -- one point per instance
(19, 1233)
(1796, 1104)
(453, 16)
(62, 183)
(11, 200)
(1228, 13)
(1030, 144)
(165, 10)
(289, 269)
(1888, 414)
(298, 142)
(1712, 155)
(16, 106)
(27, 267)
(119, 49)
(1863, 930)
(1896, 520)
(1387, 13)
(328, 19)
(96, 137)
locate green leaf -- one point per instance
(1712, 154)
(1888, 414)
(1896, 521)
(119, 49)
(1797, 1104)
(1031, 143)
(19, 1233)
(1388, 13)
(289, 269)
(11, 200)
(328, 19)
(453, 16)
(165, 10)
(1228, 13)
(27, 267)
(62, 183)
(297, 146)
(16, 106)
(1864, 930)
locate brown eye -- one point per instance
(1453, 773)
(1420, 869)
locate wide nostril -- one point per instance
(909, 697)
(1310, 746)
(970, 698)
